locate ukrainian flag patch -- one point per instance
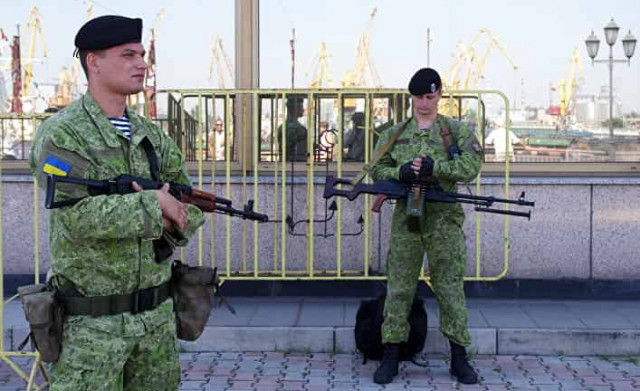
(55, 166)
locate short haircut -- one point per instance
(82, 54)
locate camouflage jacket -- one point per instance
(103, 244)
(412, 144)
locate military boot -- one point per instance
(389, 366)
(460, 367)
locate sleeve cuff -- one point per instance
(152, 215)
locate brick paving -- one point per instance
(277, 371)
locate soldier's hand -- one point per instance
(426, 168)
(407, 173)
(173, 211)
(167, 225)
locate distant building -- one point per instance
(595, 108)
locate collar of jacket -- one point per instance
(109, 133)
(433, 131)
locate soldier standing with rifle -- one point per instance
(120, 328)
(431, 147)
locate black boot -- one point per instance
(389, 366)
(460, 367)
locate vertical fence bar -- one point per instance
(256, 158)
(199, 151)
(183, 145)
(283, 160)
(507, 126)
(274, 126)
(227, 155)
(214, 157)
(310, 187)
(36, 218)
(478, 215)
(367, 199)
(244, 132)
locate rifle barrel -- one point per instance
(504, 212)
(491, 199)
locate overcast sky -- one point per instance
(539, 36)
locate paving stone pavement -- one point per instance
(271, 371)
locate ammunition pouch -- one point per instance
(192, 289)
(45, 316)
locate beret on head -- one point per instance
(107, 31)
(425, 81)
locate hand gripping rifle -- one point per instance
(417, 194)
(205, 201)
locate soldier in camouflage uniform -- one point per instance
(296, 148)
(419, 154)
(102, 247)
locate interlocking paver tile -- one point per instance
(275, 371)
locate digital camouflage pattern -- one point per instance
(93, 359)
(102, 245)
(440, 233)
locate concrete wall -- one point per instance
(583, 228)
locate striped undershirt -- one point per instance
(122, 124)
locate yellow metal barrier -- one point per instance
(276, 162)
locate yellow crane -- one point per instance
(469, 65)
(320, 68)
(566, 86)
(34, 25)
(359, 77)
(220, 62)
(66, 88)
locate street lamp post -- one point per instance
(629, 46)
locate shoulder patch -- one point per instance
(54, 166)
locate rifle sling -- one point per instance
(153, 158)
(394, 136)
(447, 136)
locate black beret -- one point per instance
(107, 31)
(425, 81)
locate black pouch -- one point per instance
(45, 315)
(192, 289)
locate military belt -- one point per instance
(135, 302)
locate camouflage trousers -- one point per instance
(440, 235)
(92, 359)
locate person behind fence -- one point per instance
(296, 136)
(120, 328)
(419, 154)
(217, 145)
(355, 139)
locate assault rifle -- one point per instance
(205, 201)
(417, 194)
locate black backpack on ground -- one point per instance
(368, 330)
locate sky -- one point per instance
(538, 36)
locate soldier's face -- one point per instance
(121, 68)
(426, 104)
